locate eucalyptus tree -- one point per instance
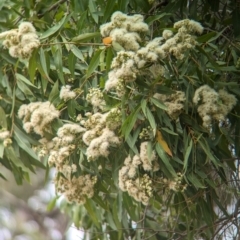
(135, 104)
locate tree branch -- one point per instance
(55, 5)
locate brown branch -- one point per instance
(55, 5)
(75, 43)
(159, 5)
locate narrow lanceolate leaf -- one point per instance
(163, 143)
(51, 205)
(43, 64)
(167, 167)
(1, 149)
(56, 27)
(151, 120)
(129, 122)
(3, 118)
(117, 47)
(54, 92)
(23, 79)
(86, 36)
(207, 150)
(77, 53)
(32, 66)
(89, 207)
(59, 64)
(158, 104)
(186, 156)
(11, 155)
(94, 63)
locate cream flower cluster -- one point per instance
(38, 116)
(213, 105)
(63, 145)
(99, 136)
(5, 137)
(139, 188)
(174, 103)
(175, 185)
(124, 70)
(125, 30)
(66, 93)
(128, 63)
(149, 162)
(95, 97)
(22, 41)
(76, 189)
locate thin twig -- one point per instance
(75, 43)
(164, 3)
(55, 5)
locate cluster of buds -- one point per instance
(146, 133)
(175, 185)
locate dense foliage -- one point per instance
(135, 103)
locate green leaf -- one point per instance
(165, 160)
(207, 150)
(93, 10)
(54, 92)
(158, 104)
(1, 176)
(25, 89)
(76, 215)
(151, 120)
(110, 221)
(43, 65)
(122, 5)
(91, 211)
(116, 220)
(59, 64)
(115, 214)
(24, 136)
(130, 207)
(71, 63)
(1, 149)
(110, 5)
(94, 63)
(100, 202)
(143, 106)
(109, 58)
(23, 143)
(206, 37)
(86, 36)
(20, 77)
(169, 131)
(10, 153)
(51, 205)
(129, 122)
(186, 156)
(117, 46)
(71, 108)
(195, 181)
(131, 143)
(152, 19)
(32, 66)
(236, 20)
(3, 118)
(56, 27)
(77, 53)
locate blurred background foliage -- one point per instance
(72, 52)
